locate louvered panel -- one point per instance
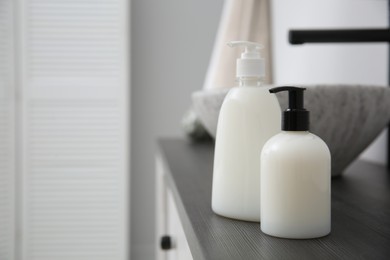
(74, 183)
(5, 46)
(7, 173)
(75, 129)
(6, 185)
(74, 38)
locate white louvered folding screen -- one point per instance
(7, 144)
(75, 120)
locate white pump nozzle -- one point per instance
(252, 49)
(250, 64)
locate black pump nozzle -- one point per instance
(295, 117)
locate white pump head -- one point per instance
(250, 64)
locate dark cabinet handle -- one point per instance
(166, 242)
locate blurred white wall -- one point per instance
(172, 42)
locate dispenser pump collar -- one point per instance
(295, 117)
(250, 64)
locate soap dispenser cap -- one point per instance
(295, 117)
(251, 64)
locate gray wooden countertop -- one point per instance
(360, 213)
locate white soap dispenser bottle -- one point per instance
(249, 116)
(295, 177)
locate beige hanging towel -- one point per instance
(247, 20)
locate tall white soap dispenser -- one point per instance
(249, 116)
(295, 177)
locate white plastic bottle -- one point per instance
(249, 116)
(295, 177)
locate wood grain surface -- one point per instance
(360, 213)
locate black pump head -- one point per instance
(295, 117)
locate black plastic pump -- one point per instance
(295, 117)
